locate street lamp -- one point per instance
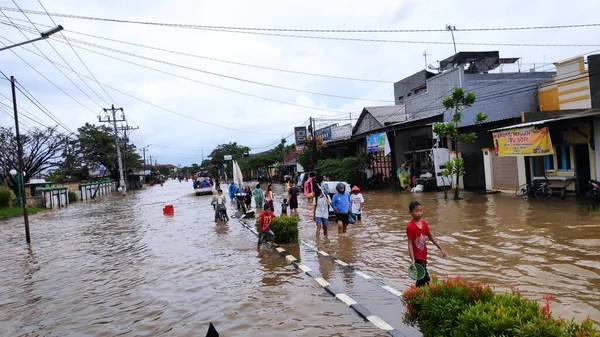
(43, 36)
(15, 174)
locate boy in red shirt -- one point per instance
(264, 219)
(417, 232)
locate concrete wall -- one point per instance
(430, 103)
(405, 87)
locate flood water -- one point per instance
(119, 267)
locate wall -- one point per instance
(367, 124)
(438, 87)
(501, 96)
(573, 84)
(597, 147)
(403, 87)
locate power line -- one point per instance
(79, 57)
(157, 106)
(36, 47)
(197, 81)
(308, 30)
(221, 75)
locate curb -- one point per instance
(352, 268)
(352, 304)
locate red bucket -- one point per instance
(168, 210)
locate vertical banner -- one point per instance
(300, 136)
(523, 142)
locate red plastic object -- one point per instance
(168, 210)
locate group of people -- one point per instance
(346, 206)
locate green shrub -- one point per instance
(285, 229)
(72, 197)
(454, 307)
(4, 198)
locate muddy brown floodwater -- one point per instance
(120, 267)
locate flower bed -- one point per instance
(453, 307)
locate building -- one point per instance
(569, 106)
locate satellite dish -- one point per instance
(432, 67)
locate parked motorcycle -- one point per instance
(593, 195)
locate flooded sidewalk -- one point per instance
(119, 266)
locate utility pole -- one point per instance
(120, 160)
(124, 129)
(21, 163)
(452, 29)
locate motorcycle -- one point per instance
(593, 195)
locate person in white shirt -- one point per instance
(321, 211)
(356, 199)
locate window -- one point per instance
(563, 157)
(400, 98)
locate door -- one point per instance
(582, 167)
(474, 178)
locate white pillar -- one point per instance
(597, 148)
(522, 171)
(487, 168)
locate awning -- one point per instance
(587, 113)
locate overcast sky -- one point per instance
(258, 122)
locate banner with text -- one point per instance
(523, 142)
(378, 142)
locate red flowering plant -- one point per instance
(454, 307)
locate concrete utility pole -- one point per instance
(124, 129)
(114, 121)
(21, 168)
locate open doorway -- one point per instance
(582, 167)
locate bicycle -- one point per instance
(540, 190)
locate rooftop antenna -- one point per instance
(425, 55)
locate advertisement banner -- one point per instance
(324, 133)
(341, 132)
(523, 142)
(300, 136)
(378, 142)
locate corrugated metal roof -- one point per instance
(587, 113)
(388, 114)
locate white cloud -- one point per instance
(178, 140)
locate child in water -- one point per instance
(417, 232)
(284, 207)
(264, 228)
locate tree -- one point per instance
(41, 151)
(457, 103)
(217, 157)
(308, 158)
(349, 169)
(96, 146)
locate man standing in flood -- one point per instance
(341, 205)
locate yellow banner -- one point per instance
(523, 142)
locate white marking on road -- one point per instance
(279, 249)
(323, 253)
(304, 268)
(290, 258)
(363, 275)
(322, 282)
(341, 263)
(392, 290)
(346, 299)
(381, 324)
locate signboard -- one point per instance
(325, 133)
(227, 157)
(523, 142)
(378, 142)
(300, 136)
(341, 132)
